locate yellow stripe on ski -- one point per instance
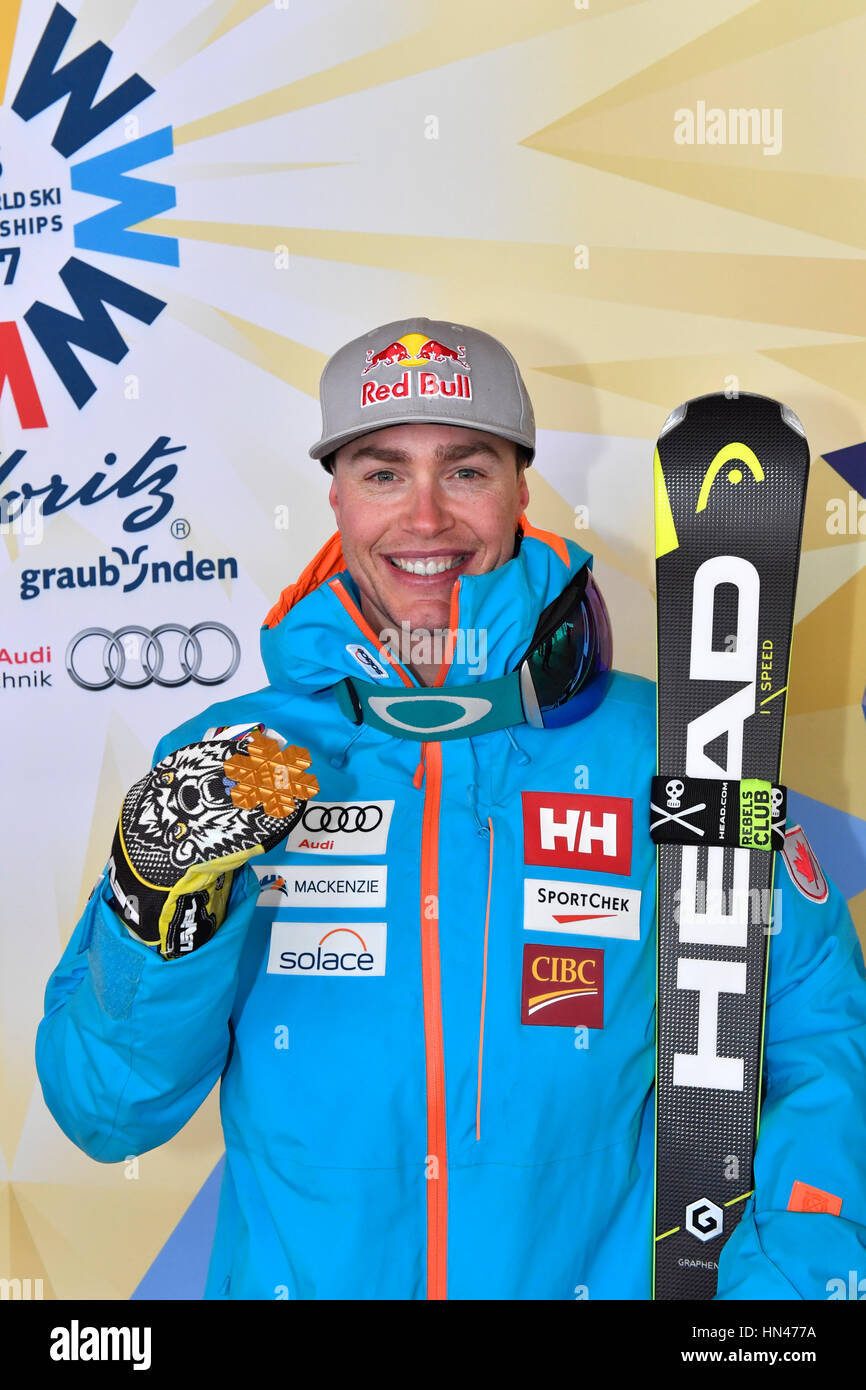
(666, 532)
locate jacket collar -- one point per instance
(311, 633)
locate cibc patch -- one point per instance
(563, 986)
(803, 868)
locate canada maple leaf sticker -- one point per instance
(801, 863)
(803, 868)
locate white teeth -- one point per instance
(427, 566)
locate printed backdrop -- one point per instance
(200, 200)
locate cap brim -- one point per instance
(336, 441)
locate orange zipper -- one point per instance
(429, 766)
(484, 981)
(437, 1155)
(437, 1151)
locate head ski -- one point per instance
(730, 489)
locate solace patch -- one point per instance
(563, 987)
(348, 950)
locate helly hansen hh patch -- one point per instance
(568, 830)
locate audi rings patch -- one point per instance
(305, 885)
(347, 949)
(582, 909)
(353, 828)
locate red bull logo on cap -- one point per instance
(414, 350)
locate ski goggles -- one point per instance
(561, 678)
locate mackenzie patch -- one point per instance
(581, 909)
(307, 885)
(577, 831)
(563, 986)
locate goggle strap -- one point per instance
(463, 710)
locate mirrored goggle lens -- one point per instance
(568, 666)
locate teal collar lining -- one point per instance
(430, 714)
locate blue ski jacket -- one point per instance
(431, 1010)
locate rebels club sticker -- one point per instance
(563, 987)
(570, 830)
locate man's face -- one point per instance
(437, 497)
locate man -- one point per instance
(431, 1007)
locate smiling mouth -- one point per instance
(427, 565)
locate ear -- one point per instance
(522, 493)
(334, 497)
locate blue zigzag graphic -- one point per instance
(179, 1271)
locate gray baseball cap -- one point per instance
(427, 372)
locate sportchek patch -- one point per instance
(308, 885)
(806, 1198)
(563, 986)
(581, 909)
(569, 830)
(803, 868)
(348, 949)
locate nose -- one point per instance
(427, 511)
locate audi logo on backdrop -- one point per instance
(171, 654)
(320, 819)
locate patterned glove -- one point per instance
(198, 815)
